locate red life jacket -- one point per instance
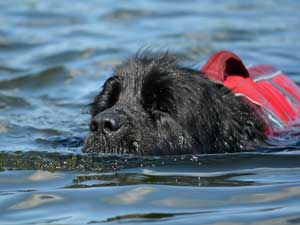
(269, 90)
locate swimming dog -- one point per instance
(152, 105)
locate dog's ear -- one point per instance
(107, 97)
(156, 92)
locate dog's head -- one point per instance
(153, 106)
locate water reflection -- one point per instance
(36, 200)
(40, 175)
(281, 194)
(131, 196)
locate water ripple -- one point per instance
(36, 80)
(106, 162)
(55, 56)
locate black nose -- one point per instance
(107, 123)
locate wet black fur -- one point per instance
(169, 109)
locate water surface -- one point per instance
(54, 57)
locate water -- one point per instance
(54, 57)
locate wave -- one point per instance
(54, 161)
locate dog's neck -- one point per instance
(234, 124)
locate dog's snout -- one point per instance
(107, 122)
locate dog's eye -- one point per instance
(114, 92)
(107, 97)
(158, 114)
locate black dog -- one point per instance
(154, 106)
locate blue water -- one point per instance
(54, 57)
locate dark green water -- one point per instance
(54, 57)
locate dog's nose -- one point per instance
(107, 123)
(111, 124)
